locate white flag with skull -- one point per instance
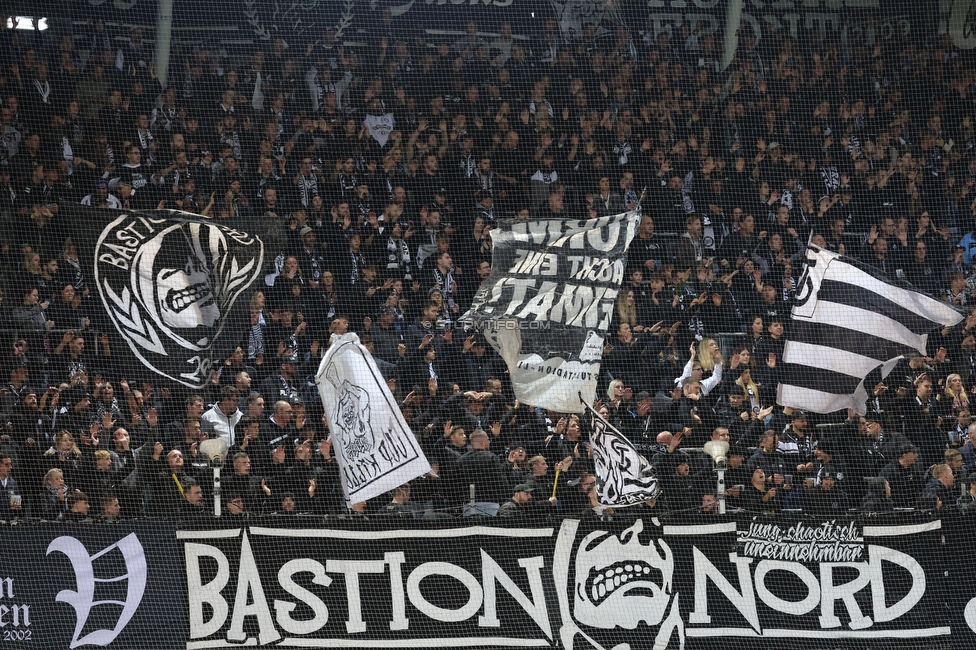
(371, 440)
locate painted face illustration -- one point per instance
(186, 299)
(621, 582)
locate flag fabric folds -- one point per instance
(549, 301)
(372, 442)
(623, 477)
(170, 288)
(848, 320)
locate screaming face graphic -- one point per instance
(352, 416)
(185, 297)
(170, 285)
(620, 582)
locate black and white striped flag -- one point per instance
(623, 477)
(848, 320)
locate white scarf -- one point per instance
(622, 149)
(44, 91)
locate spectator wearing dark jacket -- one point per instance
(483, 469)
(940, 486)
(904, 477)
(826, 499)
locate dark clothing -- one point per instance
(486, 472)
(752, 499)
(936, 488)
(905, 482)
(826, 503)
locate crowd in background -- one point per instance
(375, 176)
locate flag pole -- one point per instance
(555, 482)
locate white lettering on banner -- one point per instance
(828, 542)
(468, 581)
(575, 305)
(354, 601)
(822, 590)
(205, 594)
(805, 575)
(82, 599)
(555, 234)
(830, 593)
(558, 370)
(12, 615)
(533, 263)
(601, 580)
(849, 18)
(396, 561)
(536, 608)
(250, 600)
(743, 599)
(283, 609)
(249, 588)
(564, 274)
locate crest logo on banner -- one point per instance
(83, 600)
(297, 16)
(169, 286)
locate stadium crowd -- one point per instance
(376, 174)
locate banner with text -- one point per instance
(373, 444)
(111, 586)
(580, 584)
(587, 584)
(549, 301)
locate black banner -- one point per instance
(549, 300)
(855, 21)
(900, 583)
(581, 584)
(68, 586)
(173, 288)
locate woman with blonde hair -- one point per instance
(64, 454)
(709, 355)
(955, 393)
(707, 352)
(751, 388)
(615, 391)
(626, 308)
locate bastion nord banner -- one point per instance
(578, 584)
(773, 583)
(549, 301)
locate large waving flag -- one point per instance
(171, 289)
(372, 442)
(850, 319)
(549, 300)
